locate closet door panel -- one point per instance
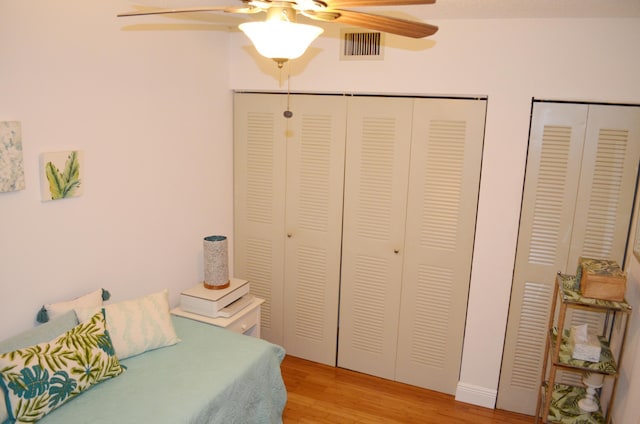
(446, 154)
(315, 177)
(376, 178)
(259, 202)
(552, 177)
(605, 195)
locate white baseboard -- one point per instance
(476, 395)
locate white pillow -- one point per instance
(137, 325)
(90, 300)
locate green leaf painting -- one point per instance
(65, 183)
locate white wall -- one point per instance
(151, 108)
(151, 111)
(510, 61)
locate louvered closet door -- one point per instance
(579, 186)
(315, 177)
(446, 153)
(552, 176)
(605, 200)
(259, 202)
(376, 180)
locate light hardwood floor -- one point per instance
(321, 394)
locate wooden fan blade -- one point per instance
(339, 4)
(380, 23)
(228, 9)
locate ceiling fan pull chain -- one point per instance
(287, 113)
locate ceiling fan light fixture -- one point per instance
(280, 40)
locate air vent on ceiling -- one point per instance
(358, 45)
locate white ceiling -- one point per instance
(486, 9)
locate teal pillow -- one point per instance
(39, 378)
(41, 333)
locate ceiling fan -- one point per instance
(280, 37)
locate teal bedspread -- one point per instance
(211, 376)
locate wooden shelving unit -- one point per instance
(558, 403)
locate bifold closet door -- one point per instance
(551, 181)
(260, 171)
(376, 181)
(577, 201)
(288, 215)
(315, 177)
(610, 158)
(446, 155)
(411, 192)
(604, 201)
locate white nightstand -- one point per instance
(247, 321)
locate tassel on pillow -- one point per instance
(42, 316)
(52, 310)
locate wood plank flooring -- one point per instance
(321, 394)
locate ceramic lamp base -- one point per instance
(216, 262)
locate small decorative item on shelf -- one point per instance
(601, 279)
(584, 345)
(216, 263)
(593, 381)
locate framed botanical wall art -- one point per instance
(11, 161)
(61, 175)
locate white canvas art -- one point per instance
(61, 175)
(11, 162)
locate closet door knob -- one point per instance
(396, 251)
(289, 235)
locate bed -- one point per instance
(211, 375)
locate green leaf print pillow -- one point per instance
(37, 379)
